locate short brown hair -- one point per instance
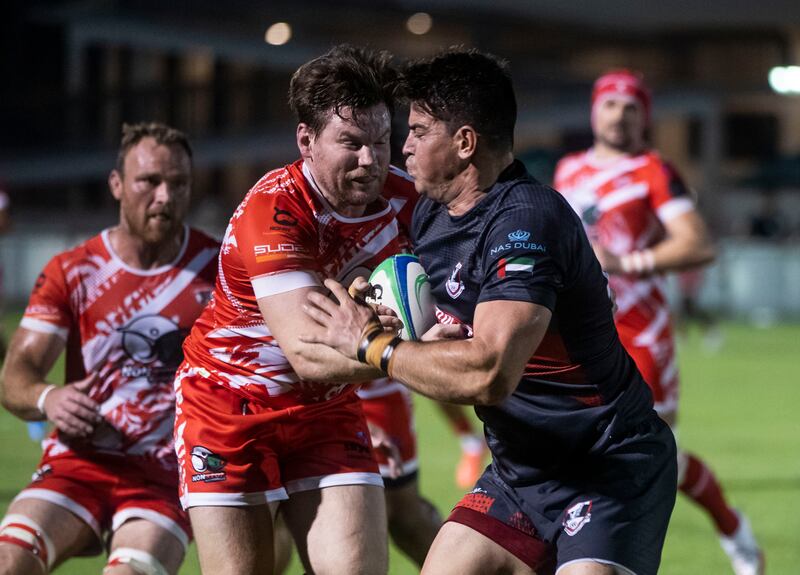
(164, 135)
(344, 77)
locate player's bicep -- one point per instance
(510, 332)
(285, 319)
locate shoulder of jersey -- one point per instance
(570, 163)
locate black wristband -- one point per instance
(387, 353)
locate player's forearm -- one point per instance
(314, 362)
(22, 387)
(463, 371)
(678, 254)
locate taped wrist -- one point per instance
(377, 346)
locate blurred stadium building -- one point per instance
(75, 70)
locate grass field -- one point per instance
(739, 412)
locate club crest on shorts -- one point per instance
(577, 516)
(208, 464)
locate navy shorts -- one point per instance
(611, 505)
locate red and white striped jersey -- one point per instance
(126, 325)
(624, 204)
(284, 236)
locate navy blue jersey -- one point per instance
(523, 242)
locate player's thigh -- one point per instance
(460, 550)
(68, 533)
(233, 539)
(146, 536)
(339, 529)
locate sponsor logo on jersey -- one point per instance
(42, 472)
(519, 236)
(577, 516)
(514, 265)
(208, 465)
(454, 285)
(529, 246)
(284, 218)
(153, 342)
(265, 252)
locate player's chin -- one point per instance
(160, 231)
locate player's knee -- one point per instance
(23, 539)
(133, 560)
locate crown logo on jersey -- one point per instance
(519, 236)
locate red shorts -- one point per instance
(233, 452)
(106, 491)
(655, 358)
(393, 412)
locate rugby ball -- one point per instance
(401, 284)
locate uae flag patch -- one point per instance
(514, 265)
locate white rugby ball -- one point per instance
(400, 283)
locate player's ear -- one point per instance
(305, 138)
(115, 184)
(466, 139)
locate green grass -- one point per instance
(739, 413)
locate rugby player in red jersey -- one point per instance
(263, 419)
(120, 305)
(643, 223)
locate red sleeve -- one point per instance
(276, 234)
(48, 308)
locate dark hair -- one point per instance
(132, 134)
(344, 77)
(464, 87)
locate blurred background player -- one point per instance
(290, 427)
(120, 305)
(642, 222)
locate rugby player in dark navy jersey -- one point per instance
(583, 476)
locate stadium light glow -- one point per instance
(278, 34)
(419, 23)
(785, 79)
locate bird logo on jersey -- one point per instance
(152, 338)
(577, 516)
(454, 285)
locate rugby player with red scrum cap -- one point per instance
(643, 223)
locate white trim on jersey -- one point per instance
(63, 501)
(282, 282)
(619, 566)
(233, 499)
(140, 272)
(649, 335)
(622, 196)
(152, 516)
(333, 480)
(310, 178)
(674, 208)
(402, 173)
(253, 332)
(42, 326)
(409, 467)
